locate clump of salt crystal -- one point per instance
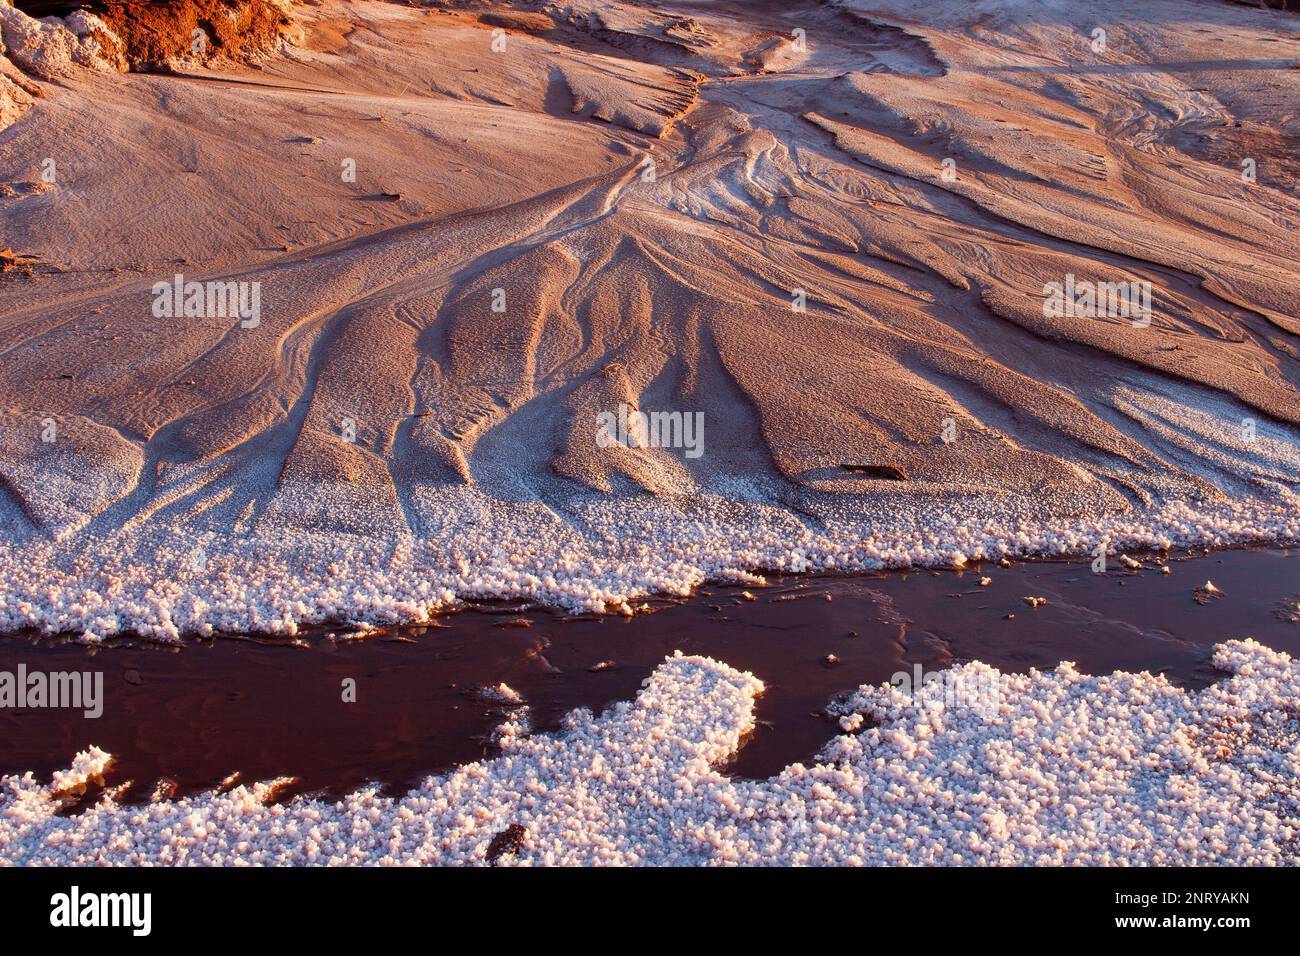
(1205, 592)
(502, 694)
(87, 767)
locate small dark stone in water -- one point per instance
(887, 472)
(508, 840)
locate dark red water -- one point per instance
(197, 713)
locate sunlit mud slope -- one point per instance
(339, 331)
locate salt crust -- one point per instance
(607, 554)
(323, 553)
(1124, 769)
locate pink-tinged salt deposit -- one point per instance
(1043, 768)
